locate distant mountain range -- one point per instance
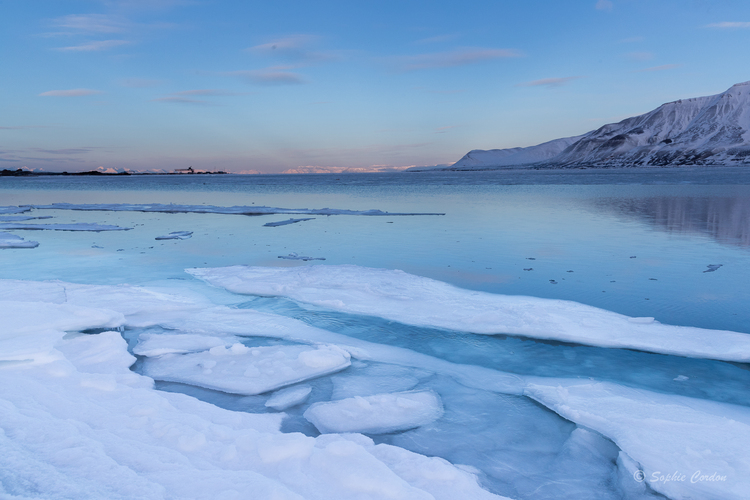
(712, 130)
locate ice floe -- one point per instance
(712, 268)
(209, 209)
(150, 344)
(289, 397)
(18, 218)
(14, 210)
(176, 235)
(78, 423)
(8, 240)
(701, 445)
(377, 414)
(398, 296)
(247, 370)
(296, 256)
(285, 222)
(64, 227)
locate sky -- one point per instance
(302, 86)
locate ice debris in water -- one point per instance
(296, 256)
(285, 222)
(397, 296)
(289, 397)
(712, 268)
(378, 414)
(8, 240)
(176, 235)
(64, 227)
(239, 369)
(14, 210)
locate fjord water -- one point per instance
(637, 242)
(634, 241)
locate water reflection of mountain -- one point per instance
(726, 219)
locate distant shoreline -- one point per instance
(26, 173)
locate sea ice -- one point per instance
(703, 442)
(176, 235)
(247, 370)
(17, 218)
(712, 268)
(296, 256)
(14, 210)
(64, 227)
(398, 296)
(285, 222)
(150, 344)
(289, 397)
(378, 414)
(8, 240)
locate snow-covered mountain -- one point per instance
(712, 130)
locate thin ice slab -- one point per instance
(176, 235)
(378, 414)
(248, 370)
(63, 227)
(8, 240)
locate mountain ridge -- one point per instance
(709, 130)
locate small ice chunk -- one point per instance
(291, 396)
(150, 344)
(176, 235)
(680, 378)
(296, 256)
(249, 371)
(8, 240)
(378, 414)
(712, 268)
(285, 222)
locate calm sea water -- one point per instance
(633, 241)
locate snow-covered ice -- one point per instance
(8, 240)
(63, 227)
(209, 209)
(150, 344)
(289, 397)
(377, 414)
(285, 222)
(247, 370)
(176, 235)
(398, 296)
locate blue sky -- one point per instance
(325, 85)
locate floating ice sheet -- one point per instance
(296, 256)
(17, 218)
(377, 414)
(151, 345)
(285, 222)
(662, 434)
(414, 300)
(247, 370)
(176, 235)
(8, 240)
(209, 209)
(64, 227)
(289, 397)
(14, 210)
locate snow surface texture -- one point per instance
(243, 370)
(377, 414)
(209, 209)
(64, 227)
(78, 423)
(176, 235)
(8, 240)
(712, 130)
(286, 222)
(398, 296)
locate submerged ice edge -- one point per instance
(210, 209)
(398, 296)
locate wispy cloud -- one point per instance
(459, 57)
(663, 67)
(277, 75)
(90, 23)
(95, 46)
(140, 83)
(296, 48)
(65, 151)
(70, 93)
(604, 5)
(442, 130)
(549, 82)
(729, 25)
(639, 56)
(208, 92)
